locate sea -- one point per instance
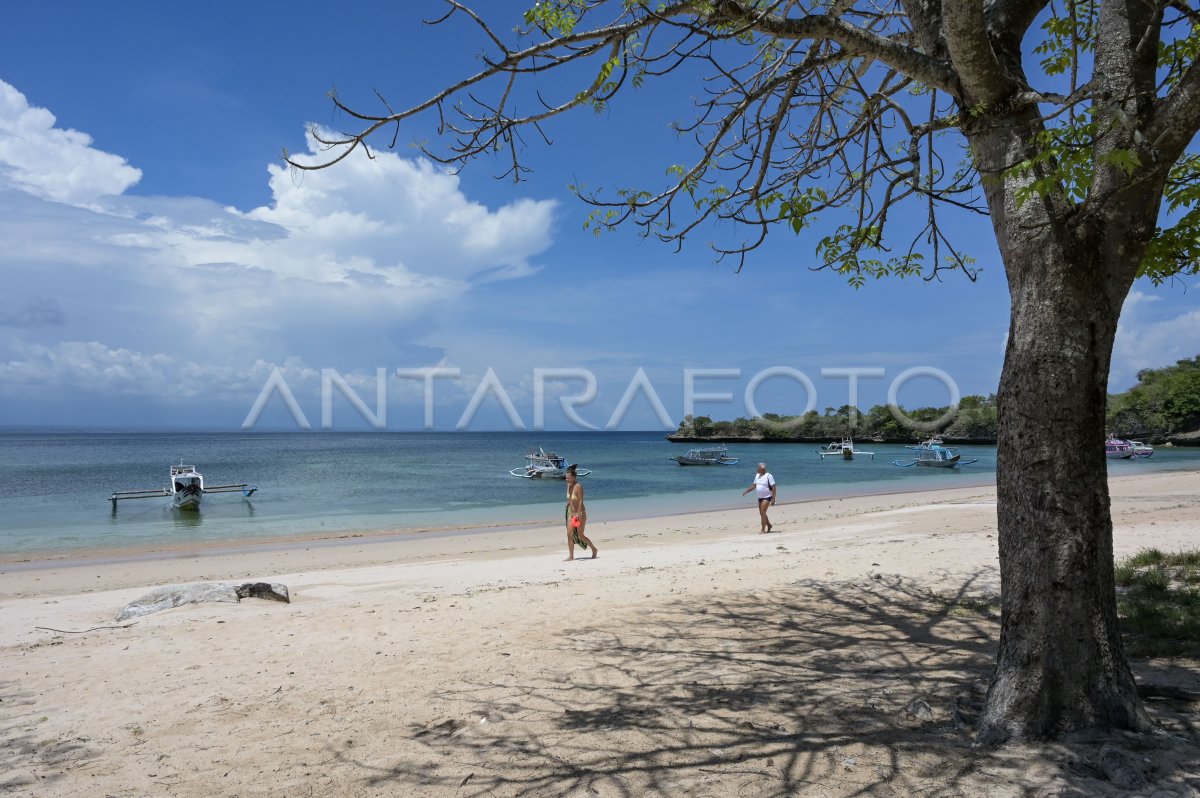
(55, 486)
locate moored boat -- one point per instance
(932, 454)
(706, 455)
(546, 465)
(843, 449)
(1117, 449)
(186, 489)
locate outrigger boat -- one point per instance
(843, 449)
(933, 454)
(546, 465)
(186, 489)
(707, 455)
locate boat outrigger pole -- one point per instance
(137, 494)
(246, 489)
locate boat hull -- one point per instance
(931, 454)
(951, 462)
(546, 465)
(845, 450)
(189, 502)
(531, 472)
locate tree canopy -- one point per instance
(845, 109)
(1164, 404)
(974, 419)
(1165, 401)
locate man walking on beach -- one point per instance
(764, 487)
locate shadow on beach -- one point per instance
(25, 756)
(869, 688)
(830, 689)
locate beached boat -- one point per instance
(932, 454)
(706, 455)
(186, 489)
(1117, 449)
(843, 449)
(546, 465)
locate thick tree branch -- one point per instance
(1127, 58)
(1008, 20)
(925, 18)
(979, 70)
(1176, 117)
(859, 41)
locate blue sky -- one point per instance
(159, 262)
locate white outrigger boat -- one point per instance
(932, 454)
(546, 465)
(843, 449)
(706, 455)
(186, 489)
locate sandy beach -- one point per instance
(845, 654)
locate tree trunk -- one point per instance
(1061, 664)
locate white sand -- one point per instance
(693, 657)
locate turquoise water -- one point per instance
(54, 487)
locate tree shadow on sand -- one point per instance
(28, 760)
(867, 688)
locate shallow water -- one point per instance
(54, 487)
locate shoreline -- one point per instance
(369, 548)
(810, 440)
(36, 560)
(485, 660)
(389, 500)
(342, 553)
(626, 511)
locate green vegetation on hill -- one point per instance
(975, 420)
(1164, 403)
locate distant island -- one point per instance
(975, 422)
(1164, 407)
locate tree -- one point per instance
(848, 109)
(1165, 401)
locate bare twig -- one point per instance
(82, 631)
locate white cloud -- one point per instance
(348, 268)
(52, 163)
(1149, 339)
(405, 215)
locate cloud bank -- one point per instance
(1151, 336)
(113, 292)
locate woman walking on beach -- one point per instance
(764, 487)
(576, 515)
